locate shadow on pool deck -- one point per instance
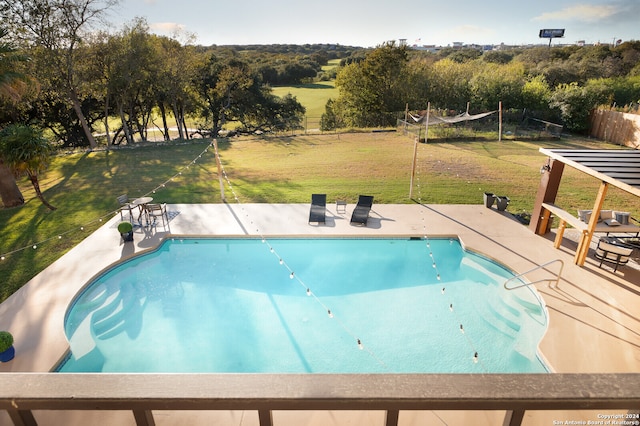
(593, 325)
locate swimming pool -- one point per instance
(322, 305)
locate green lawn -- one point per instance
(84, 186)
(312, 96)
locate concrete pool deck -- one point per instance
(594, 321)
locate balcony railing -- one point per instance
(23, 393)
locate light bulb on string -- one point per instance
(451, 307)
(461, 329)
(438, 277)
(308, 292)
(35, 246)
(281, 261)
(475, 358)
(442, 291)
(360, 345)
(291, 275)
(328, 311)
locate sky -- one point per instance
(373, 22)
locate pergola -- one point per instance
(620, 168)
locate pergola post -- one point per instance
(585, 238)
(547, 192)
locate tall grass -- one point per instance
(84, 186)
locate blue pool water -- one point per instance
(230, 305)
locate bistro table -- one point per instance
(141, 203)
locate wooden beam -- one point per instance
(266, 392)
(585, 238)
(547, 192)
(575, 158)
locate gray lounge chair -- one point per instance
(360, 214)
(317, 212)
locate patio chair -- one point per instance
(318, 208)
(612, 253)
(360, 214)
(156, 210)
(125, 205)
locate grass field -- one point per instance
(84, 186)
(312, 96)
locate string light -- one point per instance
(438, 277)
(292, 275)
(99, 219)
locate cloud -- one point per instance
(582, 12)
(166, 27)
(170, 29)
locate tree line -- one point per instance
(561, 84)
(63, 71)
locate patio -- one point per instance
(593, 327)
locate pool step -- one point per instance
(522, 296)
(496, 312)
(500, 323)
(111, 319)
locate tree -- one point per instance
(536, 94)
(11, 87)
(270, 113)
(449, 84)
(26, 151)
(374, 90)
(58, 26)
(493, 83)
(575, 103)
(12, 82)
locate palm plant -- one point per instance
(25, 150)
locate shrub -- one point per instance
(125, 227)
(6, 340)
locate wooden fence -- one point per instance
(616, 127)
